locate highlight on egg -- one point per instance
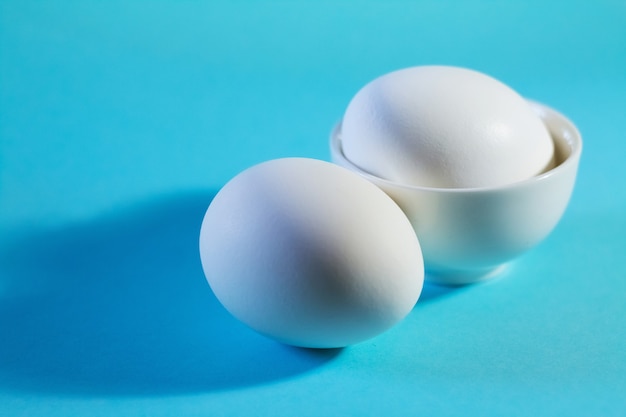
(310, 254)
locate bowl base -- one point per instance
(462, 277)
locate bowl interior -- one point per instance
(567, 148)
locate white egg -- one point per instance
(310, 254)
(447, 127)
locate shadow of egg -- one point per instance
(119, 305)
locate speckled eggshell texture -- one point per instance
(447, 127)
(310, 254)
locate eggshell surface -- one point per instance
(310, 254)
(445, 127)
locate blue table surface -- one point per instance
(120, 120)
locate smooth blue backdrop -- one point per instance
(120, 120)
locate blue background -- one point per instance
(120, 120)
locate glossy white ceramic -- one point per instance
(470, 234)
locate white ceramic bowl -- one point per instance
(470, 234)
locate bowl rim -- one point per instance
(569, 134)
